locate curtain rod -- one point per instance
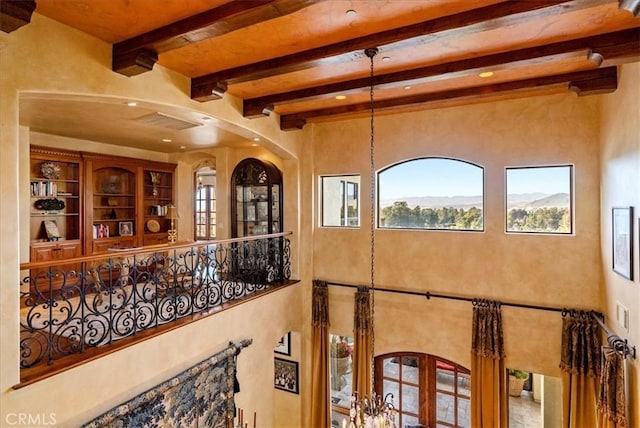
(615, 341)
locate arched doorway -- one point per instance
(205, 204)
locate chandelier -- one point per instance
(375, 411)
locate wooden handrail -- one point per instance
(123, 252)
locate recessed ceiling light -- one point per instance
(341, 97)
(351, 13)
(254, 145)
(166, 140)
(183, 147)
(386, 58)
(132, 103)
(256, 138)
(407, 87)
(486, 74)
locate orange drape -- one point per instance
(612, 403)
(580, 365)
(320, 388)
(488, 378)
(362, 352)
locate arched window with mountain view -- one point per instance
(431, 193)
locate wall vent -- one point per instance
(166, 121)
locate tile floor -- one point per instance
(524, 412)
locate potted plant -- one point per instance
(517, 378)
(340, 352)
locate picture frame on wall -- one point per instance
(284, 345)
(622, 241)
(286, 375)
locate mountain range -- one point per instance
(528, 201)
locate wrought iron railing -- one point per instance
(73, 305)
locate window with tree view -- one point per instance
(539, 199)
(431, 193)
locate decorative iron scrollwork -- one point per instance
(68, 311)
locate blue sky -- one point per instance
(545, 180)
(444, 177)
(431, 177)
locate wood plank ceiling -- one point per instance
(304, 59)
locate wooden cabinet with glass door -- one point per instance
(257, 192)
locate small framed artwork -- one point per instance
(125, 228)
(286, 375)
(284, 345)
(622, 241)
(51, 228)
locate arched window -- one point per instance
(431, 193)
(427, 390)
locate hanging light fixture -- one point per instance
(375, 411)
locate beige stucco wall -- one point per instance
(544, 270)
(45, 56)
(559, 271)
(620, 186)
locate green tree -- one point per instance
(555, 220)
(400, 215)
(470, 219)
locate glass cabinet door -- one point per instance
(257, 208)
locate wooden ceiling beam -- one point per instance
(603, 85)
(632, 6)
(215, 22)
(621, 53)
(612, 47)
(493, 16)
(15, 13)
(591, 81)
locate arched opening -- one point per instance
(205, 204)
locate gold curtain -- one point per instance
(363, 336)
(320, 393)
(488, 378)
(612, 406)
(580, 366)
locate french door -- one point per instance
(427, 390)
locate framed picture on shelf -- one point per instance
(125, 228)
(622, 236)
(51, 228)
(284, 345)
(286, 375)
